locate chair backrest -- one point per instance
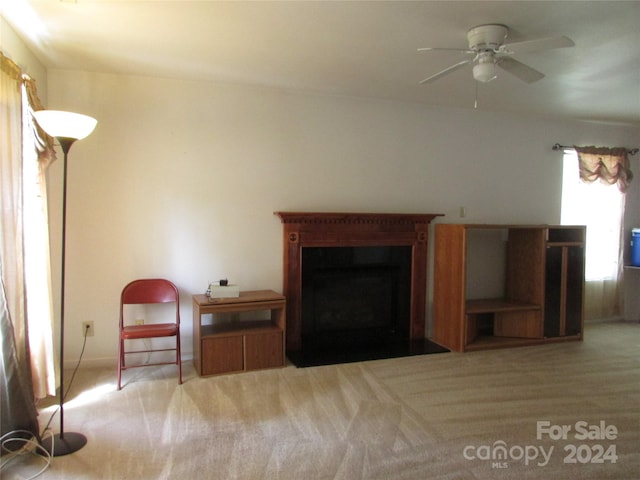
(150, 290)
(153, 290)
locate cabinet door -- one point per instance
(575, 290)
(564, 287)
(553, 292)
(222, 355)
(264, 350)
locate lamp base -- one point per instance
(69, 442)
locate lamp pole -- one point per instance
(69, 442)
(66, 127)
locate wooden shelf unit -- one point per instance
(543, 283)
(239, 345)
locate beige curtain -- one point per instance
(11, 198)
(24, 240)
(604, 298)
(36, 156)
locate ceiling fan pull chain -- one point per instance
(475, 102)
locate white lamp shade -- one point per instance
(65, 124)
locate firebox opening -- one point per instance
(355, 297)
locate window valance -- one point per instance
(609, 165)
(44, 143)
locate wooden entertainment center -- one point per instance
(542, 286)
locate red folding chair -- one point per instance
(148, 291)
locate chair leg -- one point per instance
(179, 357)
(120, 362)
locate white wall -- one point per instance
(14, 48)
(180, 179)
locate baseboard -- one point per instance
(616, 318)
(108, 362)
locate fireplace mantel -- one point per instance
(318, 229)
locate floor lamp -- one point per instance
(66, 127)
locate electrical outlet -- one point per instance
(87, 328)
(140, 321)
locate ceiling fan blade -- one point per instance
(460, 50)
(520, 70)
(536, 45)
(446, 71)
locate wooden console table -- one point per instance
(239, 345)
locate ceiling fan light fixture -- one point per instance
(485, 72)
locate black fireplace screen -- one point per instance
(362, 290)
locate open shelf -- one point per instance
(566, 234)
(486, 342)
(498, 305)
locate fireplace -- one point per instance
(355, 291)
(378, 258)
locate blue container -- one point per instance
(635, 247)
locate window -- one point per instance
(600, 208)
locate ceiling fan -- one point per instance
(489, 52)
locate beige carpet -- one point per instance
(436, 416)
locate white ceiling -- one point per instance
(356, 48)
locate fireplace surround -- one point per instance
(318, 229)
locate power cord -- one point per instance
(31, 445)
(73, 375)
